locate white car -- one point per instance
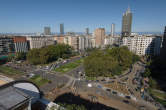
(64, 61)
(89, 85)
(31, 75)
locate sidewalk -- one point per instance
(4, 79)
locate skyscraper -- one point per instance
(47, 31)
(99, 36)
(112, 30)
(87, 31)
(62, 29)
(126, 23)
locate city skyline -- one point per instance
(78, 15)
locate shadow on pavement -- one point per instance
(69, 98)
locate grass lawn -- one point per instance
(9, 71)
(158, 96)
(91, 78)
(69, 66)
(38, 80)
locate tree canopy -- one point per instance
(20, 56)
(49, 54)
(109, 62)
(73, 107)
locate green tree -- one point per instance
(152, 83)
(10, 57)
(49, 54)
(20, 56)
(73, 107)
(109, 62)
(33, 56)
(147, 72)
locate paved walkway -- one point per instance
(4, 79)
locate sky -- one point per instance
(28, 16)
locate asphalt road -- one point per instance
(81, 86)
(71, 79)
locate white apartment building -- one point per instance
(79, 43)
(143, 45)
(40, 41)
(85, 42)
(107, 40)
(112, 40)
(72, 41)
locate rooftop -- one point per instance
(11, 97)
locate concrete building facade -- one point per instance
(126, 23)
(79, 43)
(112, 30)
(21, 44)
(72, 41)
(40, 41)
(86, 31)
(84, 43)
(6, 45)
(59, 39)
(61, 29)
(47, 31)
(99, 35)
(143, 45)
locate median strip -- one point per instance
(69, 66)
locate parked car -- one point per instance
(126, 101)
(114, 92)
(128, 97)
(30, 75)
(108, 90)
(142, 108)
(64, 61)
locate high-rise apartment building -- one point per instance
(112, 30)
(47, 31)
(143, 45)
(126, 23)
(6, 45)
(84, 42)
(87, 31)
(99, 35)
(61, 29)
